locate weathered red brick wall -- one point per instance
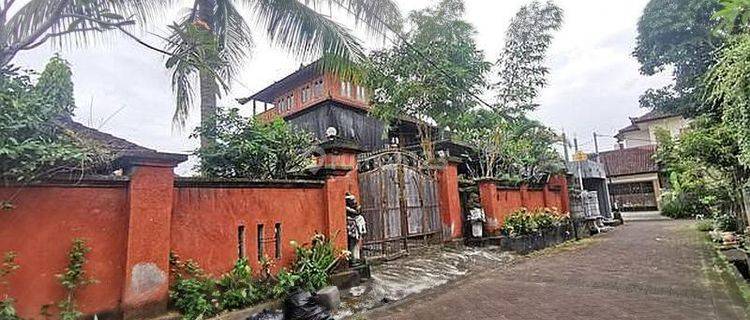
(501, 201)
(206, 221)
(40, 230)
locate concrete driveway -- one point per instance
(642, 270)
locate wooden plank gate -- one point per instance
(399, 202)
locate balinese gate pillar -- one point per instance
(146, 285)
(488, 198)
(338, 164)
(450, 201)
(561, 182)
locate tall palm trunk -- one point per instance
(209, 89)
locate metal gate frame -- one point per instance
(399, 201)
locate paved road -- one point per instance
(643, 270)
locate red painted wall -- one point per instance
(499, 201)
(205, 222)
(40, 229)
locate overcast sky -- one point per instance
(594, 82)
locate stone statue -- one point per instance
(355, 227)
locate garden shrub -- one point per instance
(704, 225)
(314, 263)
(523, 222)
(238, 288)
(725, 222)
(198, 296)
(9, 265)
(195, 298)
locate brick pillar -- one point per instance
(450, 201)
(545, 195)
(488, 198)
(525, 196)
(561, 182)
(338, 164)
(150, 192)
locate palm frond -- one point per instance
(234, 36)
(306, 33)
(378, 17)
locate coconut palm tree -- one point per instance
(211, 41)
(25, 25)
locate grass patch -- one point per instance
(704, 225)
(565, 247)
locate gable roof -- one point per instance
(125, 152)
(629, 161)
(629, 128)
(268, 94)
(653, 115)
(649, 116)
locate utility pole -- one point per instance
(565, 146)
(596, 148)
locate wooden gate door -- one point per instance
(399, 202)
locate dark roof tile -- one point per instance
(629, 161)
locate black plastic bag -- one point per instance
(302, 305)
(267, 315)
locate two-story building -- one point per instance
(322, 103)
(634, 178)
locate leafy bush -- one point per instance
(237, 287)
(251, 148)
(704, 225)
(725, 222)
(520, 223)
(7, 311)
(33, 144)
(523, 222)
(195, 298)
(9, 265)
(314, 262)
(286, 281)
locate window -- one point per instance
(290, 101)
(306, 94)
(260, 242)
(318, 88)
(277, 240)
(346, 88)
(241, 241)
(361, 93)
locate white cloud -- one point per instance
(594, 84)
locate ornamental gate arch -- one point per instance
(399, 201)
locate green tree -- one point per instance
(431, 74)
(32, 143)
(677, 35)
(704, 169)
(250, 148)
(211, 42)
(55, 85)
(521, 68)
(518, 149)
(728, 81)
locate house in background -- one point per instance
(642, 130)
(317, 101)
(634, 178)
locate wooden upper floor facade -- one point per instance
(308, 87)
